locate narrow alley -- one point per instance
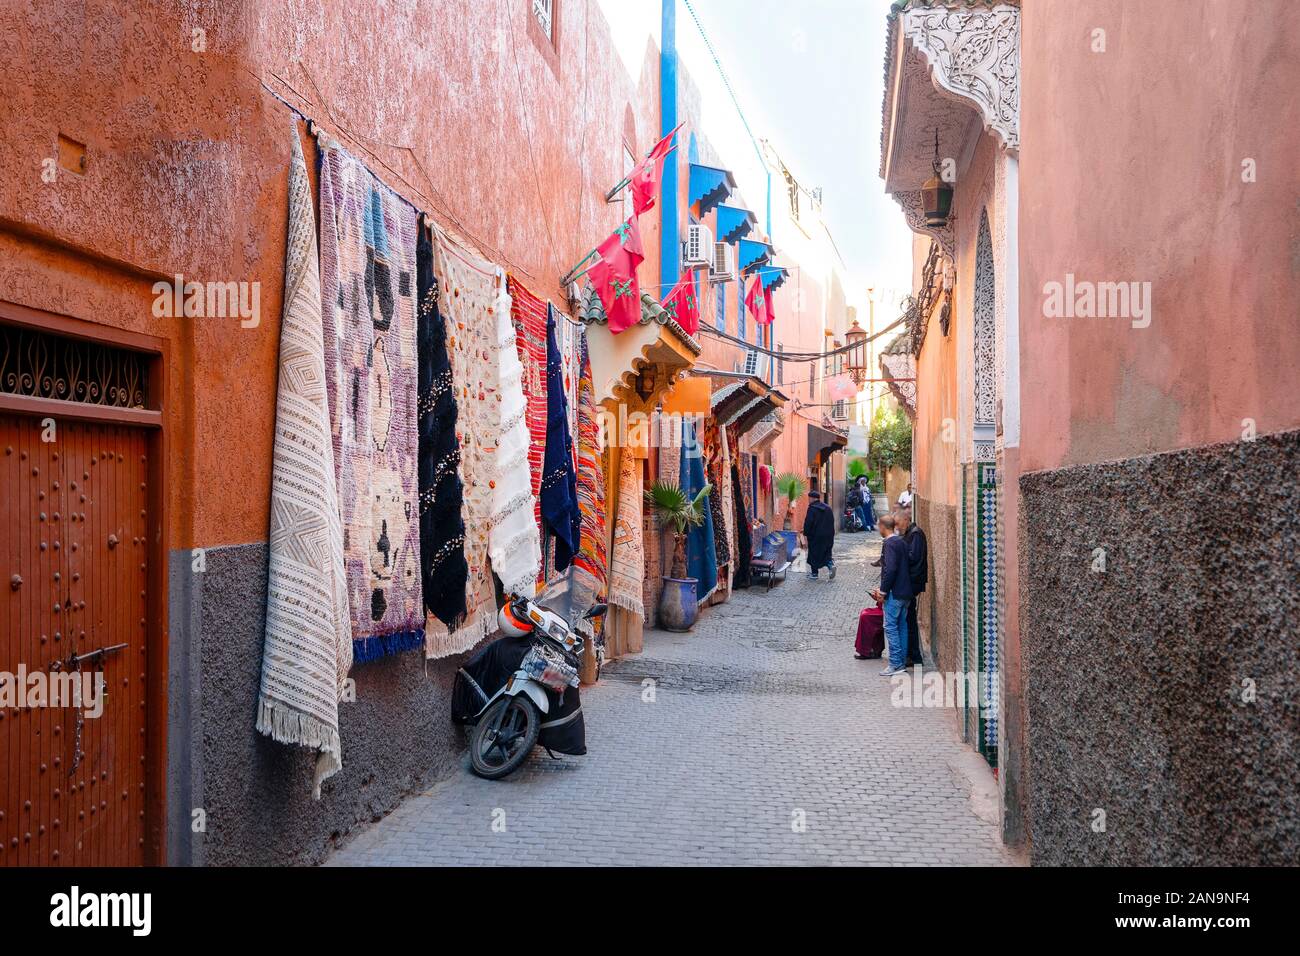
(760, 720)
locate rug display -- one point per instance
(559, 506)
(591, 555)
(627, 560)
(308, 648)
(500, 531)
(368, 303)
(728, 500)
(701, 557)
(744, 541)
(528, 315)
(442, 529)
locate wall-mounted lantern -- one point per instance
(936, 194)
(856, 356)
(645, 381)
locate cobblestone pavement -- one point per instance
(766, 742)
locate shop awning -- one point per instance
(734, 223)
(766, 431)
(822, 443)
(743, 400)
(709, 186)
(773, 277)
(752, 252)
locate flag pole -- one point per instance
(627, 180)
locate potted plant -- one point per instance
(791, 487)
(676, 511)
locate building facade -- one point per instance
(1064, 314)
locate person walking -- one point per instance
(895, 591)
(918, 562)
(819, 532)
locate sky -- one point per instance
(809, 77)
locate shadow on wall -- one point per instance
(398, 737)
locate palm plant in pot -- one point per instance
(679, 513)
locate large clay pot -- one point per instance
(679, 605)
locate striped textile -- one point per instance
(528, 313)
(308, 649)
(591, 555)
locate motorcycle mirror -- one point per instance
(596, 610)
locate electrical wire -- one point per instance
(800, 356)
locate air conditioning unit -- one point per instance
(723, 268)
(697, 250)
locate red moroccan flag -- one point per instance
(614, 276)
(683, 304)
(756, 301)
(644, 178)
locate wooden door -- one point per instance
(74, 560)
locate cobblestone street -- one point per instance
(761, 720)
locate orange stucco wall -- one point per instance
(1131, 169)
(460, 107)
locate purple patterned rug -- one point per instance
(368, 294)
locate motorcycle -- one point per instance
(522, 689)
(852, 520)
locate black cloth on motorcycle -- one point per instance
(487, 672)
(819, 529)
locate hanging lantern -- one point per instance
(856, 357)
(645, 381)
(936, 194)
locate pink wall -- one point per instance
(1131, 169)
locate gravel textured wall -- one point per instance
(1137, 677)
(939, 610)
(397, 737)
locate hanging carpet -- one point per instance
(308, 649)
(627, 562)
(368, 304)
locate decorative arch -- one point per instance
(985, 326)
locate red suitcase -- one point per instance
(871, 633)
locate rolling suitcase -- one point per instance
(871, 632)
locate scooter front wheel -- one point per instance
(504, 737)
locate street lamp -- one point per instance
(856, 356)
(936, 194)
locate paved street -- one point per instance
(765, 743)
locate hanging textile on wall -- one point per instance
(368, 299)
(560, 515)
(744, 541)
(571, 339)
(528, 314)
(308, 648)
(714, 474)
(591, 555)
(670, 446)
(701, 559)
(627, 562)
(500, 532)
(728, 502)
(442, 528)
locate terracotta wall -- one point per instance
(1131, 169)
(460, 108)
